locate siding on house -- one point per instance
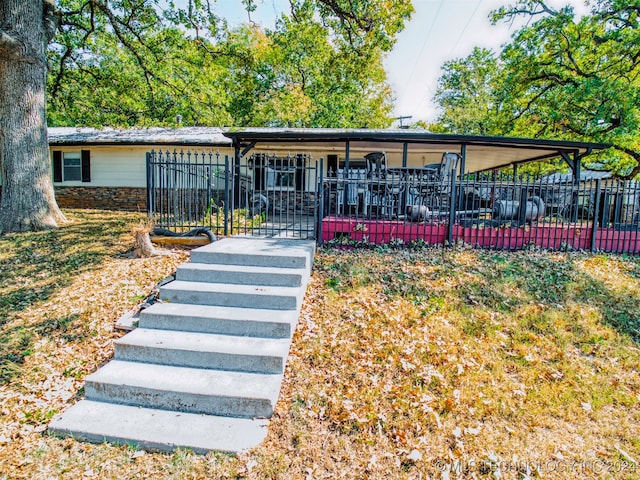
(116, 160)
(122, 166)
(118, 176)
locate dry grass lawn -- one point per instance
(432, 363)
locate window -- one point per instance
(279, 173)
(281, 177)
(72, 166)
(286, 173)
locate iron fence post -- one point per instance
(596, 214)
(320, 203)
(149, 186)
(209, 194)
(452, 208)
(226, 195)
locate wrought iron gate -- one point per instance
(261, 195)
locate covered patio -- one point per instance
(413, 186)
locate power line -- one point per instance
(424, 44)
(464, 30)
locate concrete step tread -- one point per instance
(217, 319)
(241, 274)
(205, 342)
(193, 381)
(220, 313)
(160, 430)
(276, 298)
(263, 290)
(274, 252)
(249, 269)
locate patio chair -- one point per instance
(559, 200)
(376, 170)
(385, 188)
(435, 192)
(376, 164)
(356, 191)
(385, 195)
(448, 169)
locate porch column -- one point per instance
(463, 159)
(405, 154)
(463, 167)
(347, 148)
(345, 173)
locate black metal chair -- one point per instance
(435, 191)
(376, 170)
(376, 164)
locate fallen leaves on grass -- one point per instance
(63, 334)
(430, 364)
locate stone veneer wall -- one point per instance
(107, 198)
(287, 202)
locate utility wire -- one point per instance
(424, 44)
(464, 30)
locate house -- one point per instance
(106, 168)
(360, 184)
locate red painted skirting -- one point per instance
(555, 237)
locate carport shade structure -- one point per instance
(478, 153)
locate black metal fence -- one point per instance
(271, 195)
(414, 206)
(263, 195)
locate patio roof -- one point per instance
(481, 153)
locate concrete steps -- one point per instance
(257, 322)
(279, 253)
(238, 274)
(203, 370)
(191, 390)
(158, 430)
(234, 295)
(204, 350)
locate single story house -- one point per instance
(106, 168)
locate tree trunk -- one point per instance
(27, 201)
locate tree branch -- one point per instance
(633, 154)
(51, 19)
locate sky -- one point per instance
(442, 30)
(439, 30)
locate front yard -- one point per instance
(431, 363)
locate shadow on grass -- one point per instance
(35, 265)
(17, 342)
(554, 281)
(500, 282)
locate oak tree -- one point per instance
(149, 62)
(27, 201)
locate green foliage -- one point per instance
(560, 77)
(240, 222)
(466, 93)
(120, 64)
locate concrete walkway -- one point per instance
(203, 369)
